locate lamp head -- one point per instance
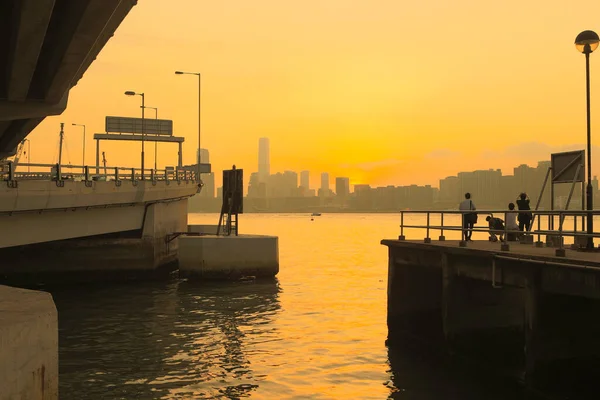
(130, 93)
(178, 73)
(587, 41)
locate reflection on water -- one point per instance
(317, 332)
(172, 340)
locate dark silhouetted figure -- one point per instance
(496, 228)
(524, 217)
(469, 219)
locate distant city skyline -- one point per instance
(372, 104)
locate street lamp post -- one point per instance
(586, 42)
(155, 142)
(131, 93)
(83, 156)
(199, 75)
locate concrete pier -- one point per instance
(28, 345)
(525, 312)
(228, 257)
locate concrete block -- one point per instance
(526, 239)
(554, 241)
(28, 345)
(203, 229)
(228, 257)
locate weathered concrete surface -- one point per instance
(525, 312)
(228, 257)
(203, 229)
(162, 220)
(140, 252)
(28, 345)
(40, 211)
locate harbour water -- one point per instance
(318, 331)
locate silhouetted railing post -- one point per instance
(560, 252)
(401, 237)
(442, 237)
(539, 242)
(427, 239)
(504, 242)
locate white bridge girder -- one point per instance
(42, 211)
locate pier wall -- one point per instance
(532, 320)
(28, 345)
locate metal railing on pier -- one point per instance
(556, 225)
(56, 172)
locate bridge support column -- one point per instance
(160, 221)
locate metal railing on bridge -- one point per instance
(56, 172)
(555, 225)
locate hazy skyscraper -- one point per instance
(264, 167)
(305, 180)
(342, 187)
(205, 157)
(324, 190)
(208, 190)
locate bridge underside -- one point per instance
(45, 48)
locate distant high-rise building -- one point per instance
(342, 187)
(208, 190)
(204, 156)
(264, 166)
(283, 185)
(305, 180)
(325, 182)
(450, 190)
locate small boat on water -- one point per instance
(315, 214)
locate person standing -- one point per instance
(524, 217)
(469, 219)
(511, 223)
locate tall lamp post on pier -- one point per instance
(131, 93)
(155, 143)
(199, 75)
(586, 42)
(83, 156)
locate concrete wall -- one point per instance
(27, 228)
(98, 258)
(162, 220)
(204, 229)
(533, 321)
(28, 345)
(224, 257)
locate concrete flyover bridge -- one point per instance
(45, 48)
(64, 219)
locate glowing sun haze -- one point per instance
(382, 91)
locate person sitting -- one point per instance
(496, 228)
(511, 223)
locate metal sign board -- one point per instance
(233, 190)
(568, 167)
(134, 125)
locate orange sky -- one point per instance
(382, 91)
